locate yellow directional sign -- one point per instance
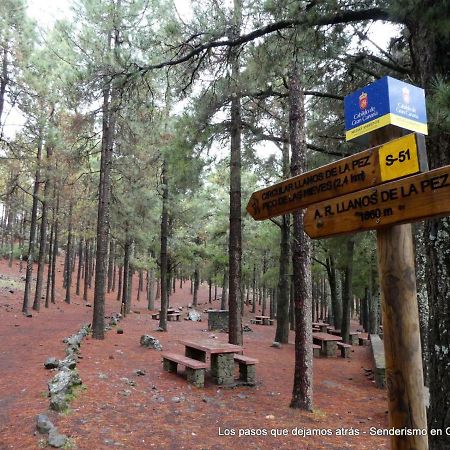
(399, 158)
(407, 200)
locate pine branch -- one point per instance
(380, 61)
(341, 17)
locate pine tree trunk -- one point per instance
(87, 251)
(29, 272)
(163, 250)
(302, 394)
(151, 286)
(55, 251)
(254, 290)
(50, 264)
(110, 100)
(224, 300)
(235, 235)
(196, 286)
(347, 293)
(335, 304)
(126, 276)
(119, 286)
(69, 259)
(80, 265)
(111, 261)
(282, 331)
(43, 239)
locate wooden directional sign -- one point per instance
(406, 200)
(396, 159)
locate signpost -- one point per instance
(399, 158)
(369, 191)
(407, 200)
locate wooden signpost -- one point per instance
(407, 200)
(380, 188)
(396, 159)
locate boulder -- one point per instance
(51, 363)
(56, 439)
(150, 342)
(60, 383)
(68, 363)
(194, 315)
(58, 402)
(43, 424)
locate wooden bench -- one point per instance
(256, 321)
(378, 360)
(173, 316)
(316, 350)
(155, 316)
(247, 369)
(195, 370)
(271, 321)
(345, 349)
(363, 341)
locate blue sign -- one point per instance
(387, 101)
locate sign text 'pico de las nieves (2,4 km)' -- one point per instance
(398, 158)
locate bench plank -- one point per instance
(245, 359)
(184, 360)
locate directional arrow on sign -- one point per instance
(398, 158)
(407, 200)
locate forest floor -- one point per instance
(160, 410)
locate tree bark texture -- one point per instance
(235, 236)
(33, 223)
(163, 250)
(302, 394)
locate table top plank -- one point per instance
(326, 337)
(211, 346)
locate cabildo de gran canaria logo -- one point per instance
(363, 100)
(406, 95)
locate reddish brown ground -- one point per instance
(112, 414)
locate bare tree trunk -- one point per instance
(347, 296)
(126, 276)
(50, 264)
(150, 293)
(80, 265)
(69, 253)
(302, 394)
(196, 286)
(87, 252)
(103, 217)
(111, 259)
(282, 331)
(119, 287)
(55, 251)
(42, 240)
(29, 272)
(336, 307)
(224, 300)
(235, 236)
(163, 252)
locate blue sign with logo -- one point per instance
(387, 101)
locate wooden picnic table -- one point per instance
(354, 335)
(327, 343)
(173, 316)
(221, 354)
(264, 319)
(322, 326)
